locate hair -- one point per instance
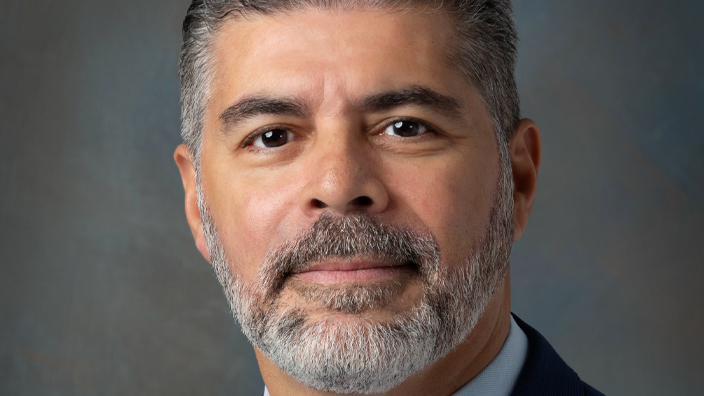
(484, 51)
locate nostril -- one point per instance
(362, 201)
(319, 204)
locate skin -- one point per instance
(442, 180)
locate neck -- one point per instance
(442, 377)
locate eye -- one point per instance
(273, 138)
(405, 128)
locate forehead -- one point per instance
(355, 52)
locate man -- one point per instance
(356, 172)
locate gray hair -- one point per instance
(484, 51)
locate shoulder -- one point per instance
(544, 372)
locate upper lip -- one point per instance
(355, 265)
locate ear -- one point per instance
(525, 151)
(188, 177)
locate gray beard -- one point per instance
(360, 355)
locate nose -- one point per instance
(342, 178)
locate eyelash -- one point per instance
(260, 131)
(429, 127)
(377, 131)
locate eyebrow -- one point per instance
(280, 106)
(261, 105)
(413, 95)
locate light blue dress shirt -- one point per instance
(499, 377)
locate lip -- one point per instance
(359, 271)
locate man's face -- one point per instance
(320, 117)
(442, 180)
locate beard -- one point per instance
(342, 351)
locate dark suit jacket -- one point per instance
(545, 373)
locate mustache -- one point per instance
(346, 237)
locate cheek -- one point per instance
(452, 199)
(250, 214)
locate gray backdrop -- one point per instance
(103, 292)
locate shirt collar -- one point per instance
(499, 377)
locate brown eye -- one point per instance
(405, 129)
(273, 138)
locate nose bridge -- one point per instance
(339, 166)
(342, 178)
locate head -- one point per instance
(356, 172)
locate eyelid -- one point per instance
(378, 130)
(260, 131)
(387, 123)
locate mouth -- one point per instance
(355, 271)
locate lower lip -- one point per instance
(360, 275)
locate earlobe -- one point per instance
(188, 178)
(525, 151)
